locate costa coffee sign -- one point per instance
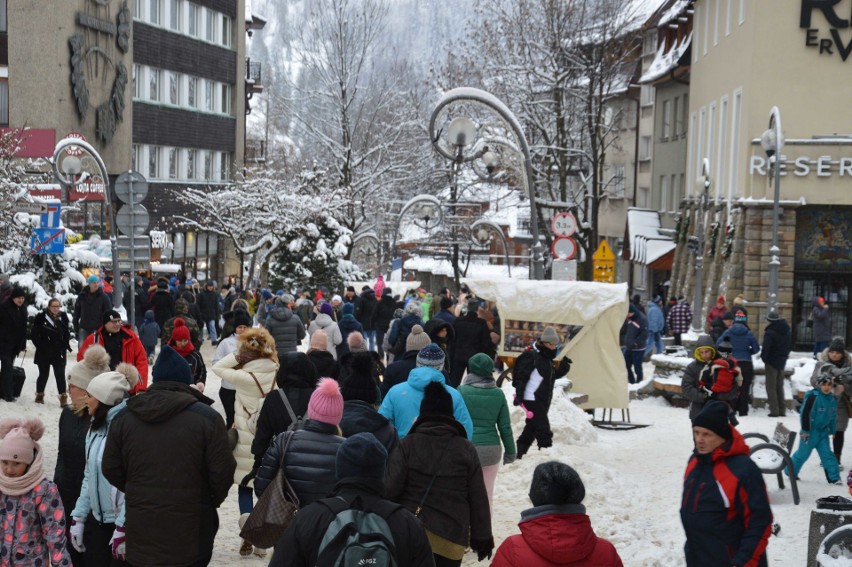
(827, 24)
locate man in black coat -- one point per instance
(140, 297)
(366, 314)
(89, 309)
(777, 343)
(169, 454)
(13, 339)
(360, 467)
(472, 337)
(208, 304)
(397, 371)
(384, 315)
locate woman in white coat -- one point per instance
(252, 371)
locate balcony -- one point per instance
(254, 77)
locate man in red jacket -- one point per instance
(557, 530)
(122, 345)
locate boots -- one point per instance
(63, 400)
(522, 449)
(39, 397)
(246, 548)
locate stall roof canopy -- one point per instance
(644, 243)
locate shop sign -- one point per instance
(803, 166)
(831, 43)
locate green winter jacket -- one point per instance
(489, 411)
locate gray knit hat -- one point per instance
(550, 336)
(417, 339)
(431, 355)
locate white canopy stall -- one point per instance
(526, 306)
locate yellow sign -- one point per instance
(603, 264)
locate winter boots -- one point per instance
(39, 397)
(63, 400)
(245, 547)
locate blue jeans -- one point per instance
(633, 361)
(655, 340)
(820, 346)
(371, 338)
(211, 330)
(244, 498)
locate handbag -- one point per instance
(809, 323)
(275, 508)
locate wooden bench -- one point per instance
(780, 446)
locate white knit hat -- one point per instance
(110, 387)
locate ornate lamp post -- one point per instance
(772, 141)
(698, 250)
(499, 124)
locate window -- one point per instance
(191, 98)
(4, 101)
(153, 162)
(642, 197)
(137, 9)
(685, 111)
(716, 5)
(4, 21)
(645, 145)
(208, 165)
(705, 15)
(154, 11)
(675, 194)
(210, 25)
(618, 181)
(226, 31)
(136, 160)
(710, 149)
(226, 99)
(729, 14)
(664, 192)
(723, 143)
(190, 164)
(174, 14)
(676, 125)
(736, 110)
(224, 166)
(742, 11)
(137, 81)
(649, 46)
(667, 119)
(208, 95)
(174, 89)
(153, 84)
(647, 95)
(192, 19)
(173, 163)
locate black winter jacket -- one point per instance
(361, 417)
(163, 305)
(397, 371)
(309, 463)
(274, 418)
(360, 364)
(367, 310)
(472, 337)
(140, 296)
(456, 507)
(90, 308)
(777, 343)
(13, 328)
(168, 452)
(384, 313)
(71, 456)
(326, 365)
(51, 340)
(538, 357)
(208, 304)
(286, 328)
(299, 545)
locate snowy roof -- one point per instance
(674, 12)
(476, 269)
(646, 244)
(665, 61)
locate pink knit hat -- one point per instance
(326, 403)
(319, 340)
(19, 439)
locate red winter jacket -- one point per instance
(132, 352)
(552, 539)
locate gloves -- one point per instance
(804, 436)
(565, 365)
(117, 543)
(483, 555)
(77, 527)
(509, 459)
(516, 400)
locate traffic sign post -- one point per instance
(563, 224)
(603, 262)
(132, 219)
(564, 270)
(48, 240)
(31, 208)
(564, 248)
(50, 218)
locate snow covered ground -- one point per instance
(633, 478)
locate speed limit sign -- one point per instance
(563, 224)
(564, 248)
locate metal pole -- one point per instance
(774, 251)
(130, 203)
(698, 295)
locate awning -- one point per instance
(644, 243)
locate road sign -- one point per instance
(31, 208)
(141, 247)
(603, 263)
(50, 218)
(48, 241)
(131, 182)
(136, 223)
(564, 270)
(564, 248)
(563, 224)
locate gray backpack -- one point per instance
(358, 537)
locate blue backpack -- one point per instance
(358, 536)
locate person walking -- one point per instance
(361, 399)
(556, 530)
(359, 467)
(89, 309)
(228, 345)
(323, 360)
(51, 337)
(384, 315)
(324, 322)
(149, 335)
(162, 302)
(122, 345)
(533, 377)
(13, 339)
(715, 312)
(366, 315)
(492, 430)
(471, 337)
(208, 304)
(285, 326)
(347, 324)
(435, 471)
(634, 341)
(745, 346)
(397, 371)
(819, 422)
(412, 315)
(777, 344)
(835, 361)
(656, 327)
(169, 430)
(729, 524)
(679, 319)
(698, 376)
(821, 318)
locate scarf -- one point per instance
(185, 351)
(21, 485)
(478, 381)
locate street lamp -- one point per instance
(68, 169)
(458, 138)
(772, 141)
(697, 243)
(481, 234)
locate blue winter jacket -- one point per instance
(656, 319)
(402, 404)
(819, 414)
(743, 341)
(97, 495)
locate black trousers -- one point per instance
(7, 386)
(380, 337)
(837, 442)
(441, 561)
(228, 398)
(538, 427)
(96, 538)
(58, 374)
(742, 403)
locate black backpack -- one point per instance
(358, 536)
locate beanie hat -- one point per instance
(837, 344)
(95, 361)
(714, 416)
(337, 298)
(181, 331)
(110, 387)
(111, 315)
(555, 483)
(417, 339)
(740, 317)
(436, 400)
(361, 455)
(242, 319)
(431, 355)
(287, 298)
(326, 403)
(728, 316)
(773, 316)
(551, 336)
(93, 279)
(19, 439)
(446, 302)
(481, 365)
(720, 299)
(326, 308)
(319, 340)
(356, 342)
(414, 308)
(360, 386)
(266, 294)
(824, 379)
(18, 292)
(162, 284)
(725, 347)
(171, 367)
(348, 309)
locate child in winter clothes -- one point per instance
(819, 421)
(181, 342)
(33, 520)
(149, 332)
(726, 379)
